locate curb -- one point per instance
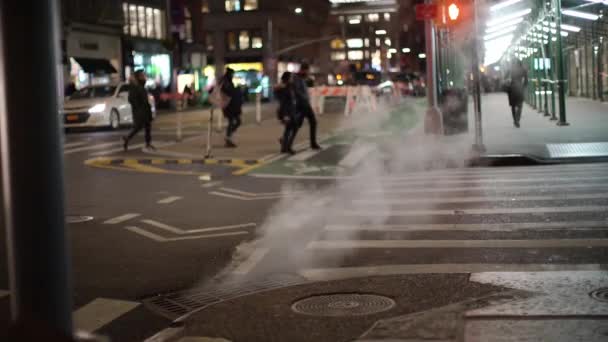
(151, 165)
(528, 160)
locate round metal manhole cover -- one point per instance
(346, 304)
(600, 294)
(78, 219)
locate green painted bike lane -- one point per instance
(327, 163)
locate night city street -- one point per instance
(455, 187)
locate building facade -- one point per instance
(261, 38)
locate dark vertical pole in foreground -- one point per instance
(32, 167)
(478, 146)
(561, 77)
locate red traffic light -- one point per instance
(453, 11)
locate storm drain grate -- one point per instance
(78, 219)
(578, 150)
(600, 294)
(343, 304)
(176, 304)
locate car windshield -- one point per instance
(93, 92)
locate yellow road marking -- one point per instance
(247, 169)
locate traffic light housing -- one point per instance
(453, 11)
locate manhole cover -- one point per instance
(78, 219)
(345, 304)
(600, 294)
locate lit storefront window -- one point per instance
(355, 55)
(188, 22)
(337, 44)
(373, 17)
(125, 12)
(205, 6)
(233, 5)
(387, 17)
(257, 42)
(133, 19)
(141, 21)
(231, 41)
(150, 23)
(338, 56)
(244, 40)
(250, 5)
(156, 66)
(354, 43)
(145, 22)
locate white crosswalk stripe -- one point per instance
(457, 208)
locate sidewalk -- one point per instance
(588, 124)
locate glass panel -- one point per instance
(387, 41)
(250, 5)
(244, 40)
(141, 21)
(125, 14)
(133, 19)
(387, 16)
(233, 5)
(209, 41)
(150, 23)
(366, 42)
(205, 6)
(231, 40)
(354, 19)
(159, 27)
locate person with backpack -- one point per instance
(234, 108)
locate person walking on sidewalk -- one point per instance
(516, 90)
(287, 112)
(303, 107)
(234, 109)
(141, 109)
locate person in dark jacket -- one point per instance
(287, 112)
(140, 106)
(516, 90)
(303, 106)
(234, 109)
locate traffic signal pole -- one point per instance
(32, 170)
(478, 146)
(433, 116)
(561, 78)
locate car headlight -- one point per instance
(98, 108)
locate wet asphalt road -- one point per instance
(411, 222)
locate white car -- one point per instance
(100, 106)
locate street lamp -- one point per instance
(298, 10)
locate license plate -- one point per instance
(72, 117)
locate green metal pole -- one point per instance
(561, 82)
(600, 70)
(552, 52)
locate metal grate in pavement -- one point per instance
(599, 149)
(176, 304)
(343, 304)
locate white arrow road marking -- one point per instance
(496, 227)
(121, 219)
(178, 231)
(100, 312)
(159, 238)
(169, 200)
(551, 243)
(405, 213)
(322, 274)
(256, 256)
(242, 198)
(302, 156)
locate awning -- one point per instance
(95, 65)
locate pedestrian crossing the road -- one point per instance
(467, 220)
